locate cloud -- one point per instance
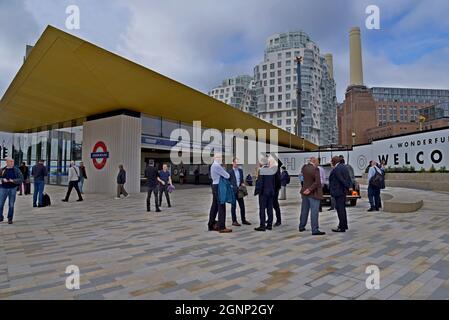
(201, 42)
(14, 35)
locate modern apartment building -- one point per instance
(238, 92)
(275, 86)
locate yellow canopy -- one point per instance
(66, 78)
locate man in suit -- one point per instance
(276, 165)
(236, 179)
(265, 186)
(339, 184)
(216, 172)
(311, 192)
(152, 176)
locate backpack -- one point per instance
(46, 202)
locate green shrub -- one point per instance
(422, 170)
(432, 169)
(442, 170)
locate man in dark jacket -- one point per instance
(339, 185)
(152, 176)
(39, 172)
(285, 180)
(277, 189)
(121, 180)
(24, 188)
(236, 179)
(265, 189)
(10, 179)
(311, 192)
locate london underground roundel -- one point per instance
(99, 155)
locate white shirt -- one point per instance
(74, 174)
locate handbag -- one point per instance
(243, 192)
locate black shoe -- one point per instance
(330, 209)
(1, 220)
(9, 221)
(371, 210)
(158, 210)
(169, 205)
(338, 230)
(377, 209)
(148, 210)
(318, 233)
(79, 200)
(34, 205)
(302, 229)
(246, 223)
(277, 224)
(260, 229)
(269, 228)
(64, 200)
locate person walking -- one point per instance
(164, 182)
(39, 173)
(375, 183)
(339, 184)
(182, 175)
(217, 172)
(236, 179)
(10, 179)
(152, 176)
(275, 166)
(74, 179)
(265, 189)
(285, 180)
(24, 188)
(121, 181)
(196, 173)
(83, 176)
(312, 193)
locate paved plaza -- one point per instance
(123, 252)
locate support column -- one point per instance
(107, 143)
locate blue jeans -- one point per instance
(11, 194)
(81, 184)
(38, 192)
(374, 197)
(312, 205)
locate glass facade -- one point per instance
(56, 144)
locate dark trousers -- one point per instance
(374, 197)
(217, 208)
(164, 190)
(241, 203)
(266, 209)
(73, 184)
(197, 180)
(152, 190)
(340, 206)
(276, 206)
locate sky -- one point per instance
(201, 42)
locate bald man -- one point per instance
(216, 173)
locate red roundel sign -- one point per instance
(99, 155)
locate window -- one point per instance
(279, 64)
(279, 73)
(152, 126)
(280, 89)
(279, 105)
(271, 98)
(272, 82)
(288, 63)
(264, 67)
(288, 55)
(272, 74)
(279, 114)
(271, 89)
(288, 79)
(288, 96)
(272, 66)
(289, 121)
(289, 113)
(168, 127)
(280, 97)
(279, 122)
(288, 71)
(264, 75)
